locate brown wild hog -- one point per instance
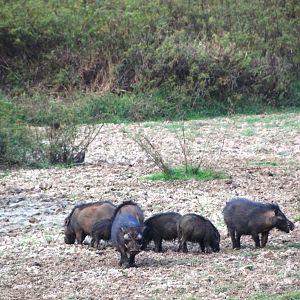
(126, 236)
(82, 217)
(100, 231)
(197, 229)
(131, 208)
(245, 217)
(160, 227)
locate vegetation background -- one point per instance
(90, 61)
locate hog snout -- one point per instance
(287, 229)
(133, 248)
(291, 225)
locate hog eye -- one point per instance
(126, 237)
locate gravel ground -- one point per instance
(261, 158)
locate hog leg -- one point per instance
(158, 242)
(182, 245)
(179, 246)
(124, 261)
(202, 246)
(231, 232)
(80, 236)
(264, 238)
(132, 260)
(238, 240)
(92, 242)
(255, 237)
(207, 247)
(97, 242)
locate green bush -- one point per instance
(60, 142)
(15, 137)
(180, 173)
(208, 52)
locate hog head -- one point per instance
(70, 235)
(281, 221)
(132, 237)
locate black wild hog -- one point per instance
(82, 217)
(131, 208)
(245, 217)
(100, 231)
(126, 236)
(160, 227)
(197, 229)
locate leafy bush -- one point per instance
(61, 142)
(212, 50)
(15, 136)
(190, 170)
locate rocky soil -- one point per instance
(261, 158)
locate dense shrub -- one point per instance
(15, 138)
(209, 51)
(61, 142)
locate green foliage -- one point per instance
(233, 53)
(266, 163)
(41, 109)
(294, 245)
(292, 295)
(244, 253)
(61, 142)
(15, 137)
(190, 173)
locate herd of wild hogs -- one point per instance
(129, 233)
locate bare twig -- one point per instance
(151, 151)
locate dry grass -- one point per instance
(36, 264)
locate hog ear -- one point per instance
(270, 214)
(279, 215)
(138, 219)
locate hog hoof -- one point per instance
(133, 265)
(126, 265)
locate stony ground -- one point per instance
(261, 158)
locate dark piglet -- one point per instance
(100, 231)
(245, 217)
(82, 217)
(126, 236)
(160, 227)
(197, 229)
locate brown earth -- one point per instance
(260, 156)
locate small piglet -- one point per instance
(100, 231)
(160, 227)
(197, 229)
(245, 217)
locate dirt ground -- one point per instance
(260, 156)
